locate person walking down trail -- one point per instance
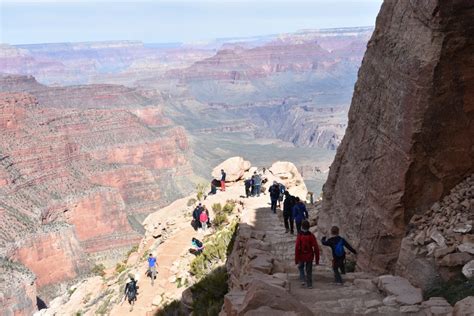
(248, 187)
(274, 190)
(288, 204)
(151, 272)
(306, 250)
(196, 217)
(131, 291)
(223, 180)
(203, 218)
(282, 193)
(257, 183)
(299, 213)
(337, 244)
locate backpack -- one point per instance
(131, 290)
(282, 188)
(339, 248)
(198, 243)
(306, 244)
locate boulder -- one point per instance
(462, 228)
(234, 168)
(437, 306)
(441, 252)
(261, 294)
(438, 238)
(455, 259)
(464, 307)
(466, 247)
(265, 310)
(365, 284)
(404, 292)
(468, 269)
(289, 175)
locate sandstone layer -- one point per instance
(409, 138)
(81, 173)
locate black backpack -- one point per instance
(131, 290)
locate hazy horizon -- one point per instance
(64, 21)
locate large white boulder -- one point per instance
(468, 270)
(234, 168)
(287, 173)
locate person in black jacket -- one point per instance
(274, 190)
(288, 204)
(337, 244)
(131, 291)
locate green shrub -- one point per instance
(209, 292)
(200, 191)
(172, 308)
(350, 265)
(217, 208)
(215, 251)
(99, 269)
(452, 291)
(120, 267)
(228, 207)
(219, 220)
(191, 202)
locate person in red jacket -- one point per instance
(306, 250)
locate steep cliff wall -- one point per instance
(411, 124)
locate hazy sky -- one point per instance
(43, 21)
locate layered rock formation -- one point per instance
(409, 138)
(82, 176)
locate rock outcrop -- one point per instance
(234, 168)
(412, 109)
(440, 240)
(100, 166)
(17, 289)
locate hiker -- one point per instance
(196, 217)
(282, 193)
(208, 217)
(274, 190)
(151, 272)
(288, 204)
(337, 244)
(203, 218)
(257, 183)
(248, 187)
(131, 290)
(197, 247)
(306, 250)
(223, 180)
(299, 213)
(214, 184)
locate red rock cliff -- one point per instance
(410, 136)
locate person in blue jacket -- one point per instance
(299, 214)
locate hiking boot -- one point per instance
(310, 286)
(286, 231)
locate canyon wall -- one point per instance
(79, 174)
(411, 124)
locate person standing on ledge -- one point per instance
(306, 250)
(223, 180)
(337, 244)
(257, 183)
(299, 213)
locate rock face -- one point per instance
(100, 165)
(17, 289)
(411, 110)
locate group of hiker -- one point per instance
(306, 246)
(253, 185)
(201, 218)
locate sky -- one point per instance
(164, 21)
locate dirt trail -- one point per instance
(173, 249)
